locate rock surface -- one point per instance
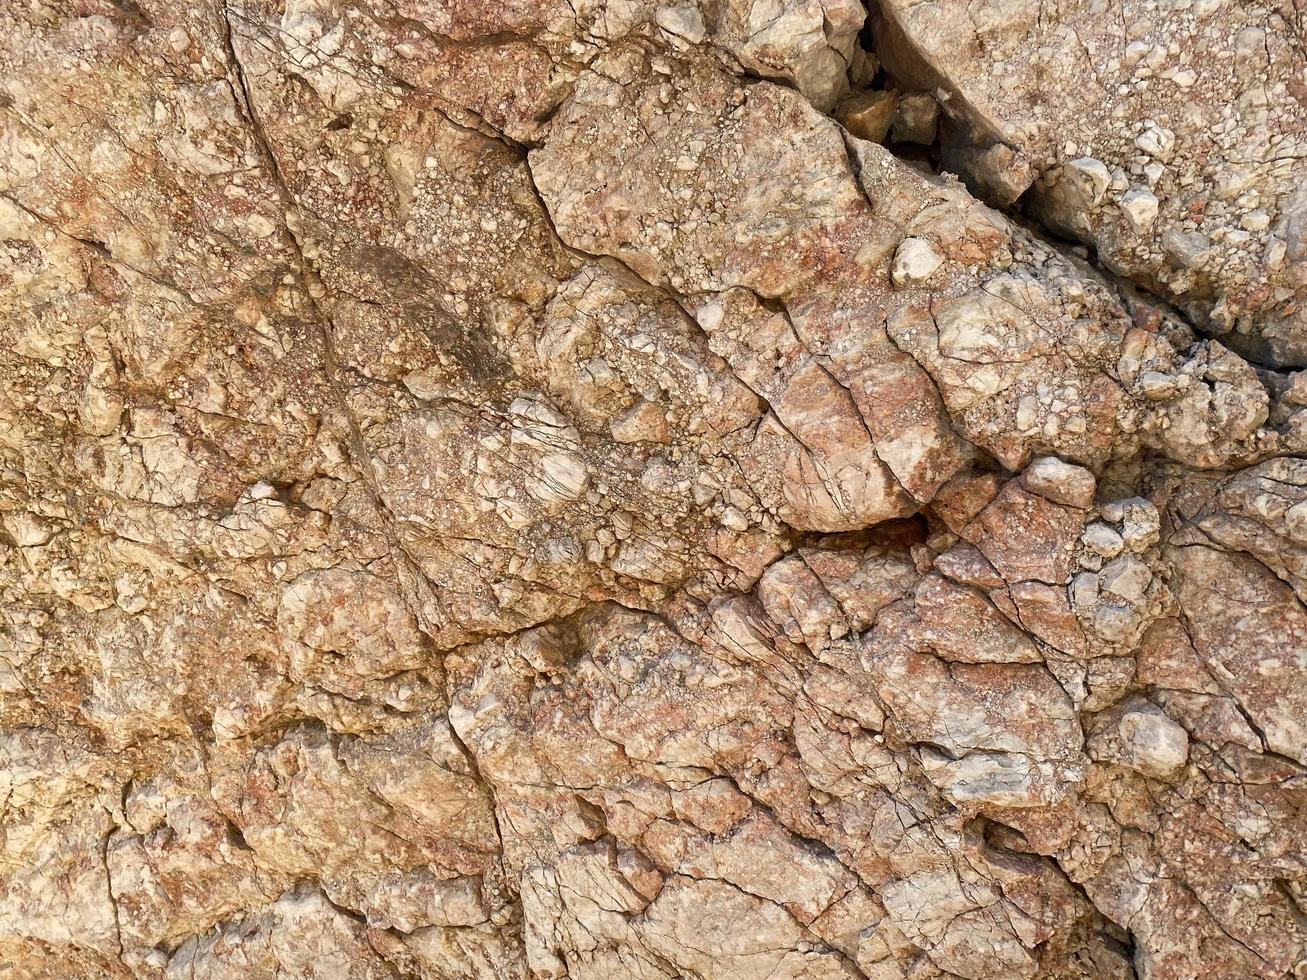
(579, 488)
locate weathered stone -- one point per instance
(1154, 138)
(915, 262)
(537, 490)
(916, 119)
(868, 115)
(1060, 482)
(1138, 734)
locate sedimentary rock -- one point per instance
(616, 488)
(1170, 137)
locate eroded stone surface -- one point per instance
(506, 490)
(1177, 152)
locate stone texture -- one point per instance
(538, 490)
(1176, 152)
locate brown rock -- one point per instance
(868, 115)
(535, 489)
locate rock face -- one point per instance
(536, 489)
(1177, 151)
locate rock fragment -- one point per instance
(1138, 734)
(915, 261)
(868, 115)
(1060, 482)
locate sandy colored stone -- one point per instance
(563, 489)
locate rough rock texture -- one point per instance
(536, 489)
(1170, 136)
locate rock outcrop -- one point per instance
(621, 488)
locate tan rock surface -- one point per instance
(519, 490)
